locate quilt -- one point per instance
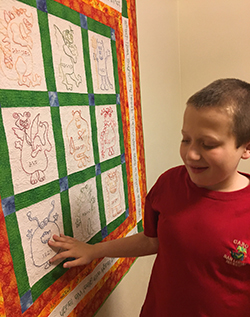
(71, 149)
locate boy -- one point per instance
(197, 216)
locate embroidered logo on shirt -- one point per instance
(238, 255)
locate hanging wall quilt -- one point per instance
(71, 149)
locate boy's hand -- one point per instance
(132, 246)
(72, 248)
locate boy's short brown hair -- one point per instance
(234, 96)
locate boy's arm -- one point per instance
(132, 246)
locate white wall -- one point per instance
(160, 84)
(214, 42)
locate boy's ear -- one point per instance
(246, 153)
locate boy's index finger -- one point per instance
(55, 240)
(58, 245)
(62, 238)
(56, 237)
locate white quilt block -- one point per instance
(67, 51)
(31, 146)
(77, 134)
(101, 63)
(21, 61)
(108, 135)
(37, 224)
(113, 193)
(84, 210)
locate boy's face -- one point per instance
(208, 149)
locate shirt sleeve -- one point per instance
(150, 215)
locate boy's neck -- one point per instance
(240, 182)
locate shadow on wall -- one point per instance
(126, 301)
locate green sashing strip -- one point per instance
(111, 163)
(46, 49)
(36, 195)
(46, 281)
(100, 201)
(115, 66)
(120, 128)
(98, 27)
(125, 184)
(6, 186)
(116, 223)
(97, 238)
(86, 56)
(17, 254)
(140, 226)
(59, 143)
(63, 12)
(124, 9)
(29, 2)
(108, 99)
(68, 231)
(94, 134)
(72, 99)
(18, 98)
(81, 176)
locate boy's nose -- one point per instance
(193, 153)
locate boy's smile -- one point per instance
(208, 149)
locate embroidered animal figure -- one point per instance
(68, 57)
(41, 253)
(84, 212)
(78, 134)
(101, 56)
(112, 183)
(16, 45)
(108, 135)
(33, 143)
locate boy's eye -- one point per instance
(184, 141)
(208, 146)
